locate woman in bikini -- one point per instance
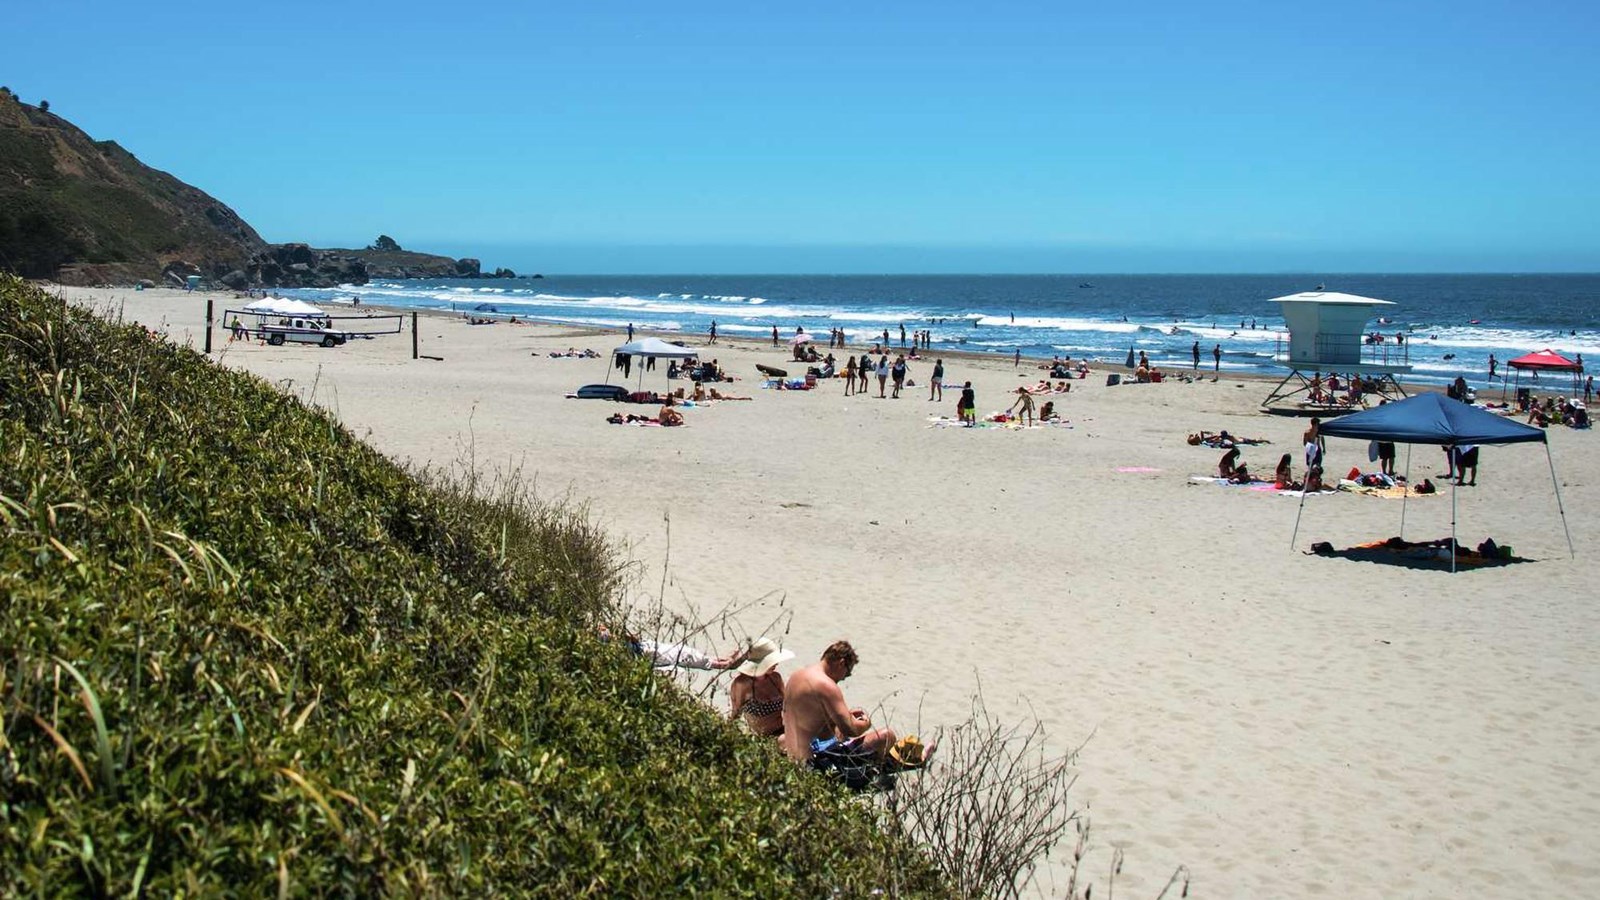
(756, 693)
(1226, 465)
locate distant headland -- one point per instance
(85, 212)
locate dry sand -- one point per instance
(1285, 725)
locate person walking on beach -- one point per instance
(1588, 390)
(883, 375)
(966, 405)
(849, 375)
(713, 331)
(899, 373)
(902, 335)
(1195, 352)
(774, 335)
(1493, 363)
(936, 384)
(1016, 358)
(862, 371)
(1216, 358)
(630, 332)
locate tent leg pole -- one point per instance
(1296, 534)
(1556, 483)
(1453, 491)
(1404, 498)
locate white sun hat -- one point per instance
(764, 656)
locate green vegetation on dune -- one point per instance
(242, 653)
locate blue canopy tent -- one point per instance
(1437, 419)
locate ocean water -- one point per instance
(1453, 322)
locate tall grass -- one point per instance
(243, 653)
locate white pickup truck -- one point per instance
(303, 331)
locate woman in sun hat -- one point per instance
(757, 691)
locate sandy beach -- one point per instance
(1284, 725)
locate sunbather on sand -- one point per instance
(1314, 479)
(670, 416)
(670, 656)
(1241, 475)
(718, 395)
(1283, 479)
(814, 710)
(1228, 463)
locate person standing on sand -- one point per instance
(849, 375)
(630, 332)
(966, 405)
(902, 335)
(1216, 358)
(1195, 352)
(713, 331)
(899, 374)
(1466, 458)
(1016, 358)
(883, 375)
(774, 335)
(1588, 390)
(814, 711)
(1024, 406)
(936, 384)
(1314, 442)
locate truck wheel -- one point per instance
(329, 340)
(276, 340)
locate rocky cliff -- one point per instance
(74, 207)
(82, 211)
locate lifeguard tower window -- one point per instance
(1327, 334)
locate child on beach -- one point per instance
(966, 406)
(1024, 406)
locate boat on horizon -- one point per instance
(1085, 285)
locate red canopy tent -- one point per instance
(1546, 360)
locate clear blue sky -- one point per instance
(902, 137)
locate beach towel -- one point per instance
(1395, 492)
(1223, 482)
(1424, 555)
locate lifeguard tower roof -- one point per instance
(1332, 297)
(1328, 333)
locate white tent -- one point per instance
(283, 306)
(657, 348)
(651, 348)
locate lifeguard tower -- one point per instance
(1328, 335)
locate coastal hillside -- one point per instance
(244, 653)
(67, 200)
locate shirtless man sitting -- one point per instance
(814, 709)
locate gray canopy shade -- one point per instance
(1432, 419)
(1437, 419)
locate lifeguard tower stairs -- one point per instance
(1328, 335)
